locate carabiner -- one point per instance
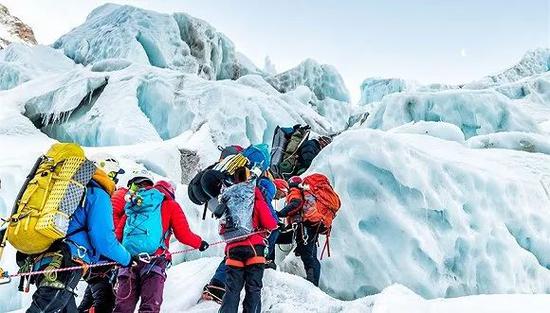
(144, 257)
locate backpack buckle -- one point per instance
(144, 257)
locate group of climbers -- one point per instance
(129, 229)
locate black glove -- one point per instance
(134, 261)
(204, 246)
(281, 226)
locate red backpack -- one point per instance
(321, 202)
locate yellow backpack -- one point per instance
(56, 188)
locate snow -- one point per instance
(324, 80)
(20, 63)
(436, 216)
(474, 112)
(441, 130)
(513, 141)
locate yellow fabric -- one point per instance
(33, 228)
(104, 181)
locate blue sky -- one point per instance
(426, 40)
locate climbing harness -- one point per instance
(6, 277)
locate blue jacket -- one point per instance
(268, 189)
(91, 230)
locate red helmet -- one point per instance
(166, 186)
(295, 180)
(281, 185)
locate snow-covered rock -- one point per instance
(438, 217)
(13, 30)
(324, 80)
(474, 112)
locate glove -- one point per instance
(281, 226)
(134, 261)
(204, 246)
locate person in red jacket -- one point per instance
(146, 280)
(246, 260)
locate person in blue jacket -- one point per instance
(90, 237)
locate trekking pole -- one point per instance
(4, 231)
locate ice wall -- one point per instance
(435, 216)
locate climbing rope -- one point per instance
(144, 257)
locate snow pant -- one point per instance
(145, 281)
(220, 275)
(248, 275)
(272, 241)
(99, 293)
(55, 292)
(306, 248)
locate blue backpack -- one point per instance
(143, 228)
(258, 155)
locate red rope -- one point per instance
(78, 267)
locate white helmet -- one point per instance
(140, 175)
(110, 166)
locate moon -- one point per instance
(463, 52)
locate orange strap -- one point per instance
(234, 263)
(255, 260)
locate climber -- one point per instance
(308, 151)
(245, 258)
(88, 238)
(305, 236)
(146, 208)
(311, 206)
(99, 293)
(272, 190)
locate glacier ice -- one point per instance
(141, 103)
(20, 63)
(520, 141)
(441, 130)
(474, 112)
(176, 41)
(438, 217)
(533, 62)
(374, 89)
(324, 80)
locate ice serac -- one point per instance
(214, 52)
(20, 63)
(438, 217)
(142, 103)
(475, 112)
(374, 89)
(533, 62)
(324, 80)
(178, 41)
(12, 29)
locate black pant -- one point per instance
(99, 294)
(49, 299)
(250, 277)
(306, 248)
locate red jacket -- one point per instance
(173, 221)
(262, 219)
(118, 202)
